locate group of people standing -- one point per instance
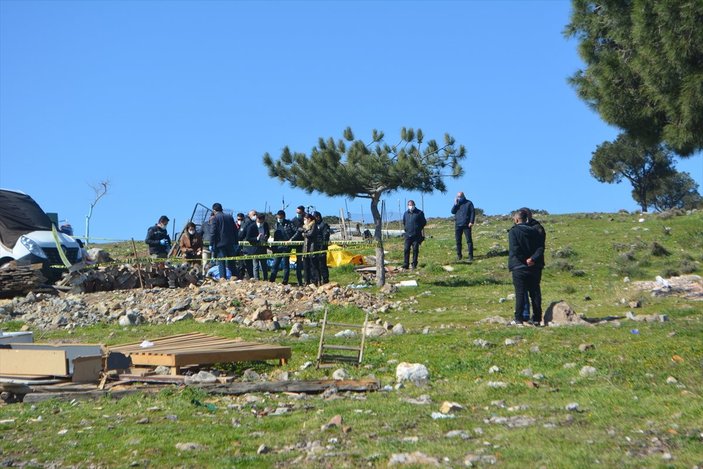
(225, 233)
(526, 243)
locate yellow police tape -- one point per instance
(177, 260)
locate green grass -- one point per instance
(628, 416)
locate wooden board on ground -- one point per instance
(199, 349)
(32, 362)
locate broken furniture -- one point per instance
(330, 353)
(190, 349)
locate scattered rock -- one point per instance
(587, 371)
(493, 369)
(450, 407)
(497, 384)
(340, 374)
(415, 373)
(572, 407)
(458, 434)
(189, 446)
(560, 313)
(483, 343)
(416, 458)
(472, 460)
(263, 449)
(586, 347)
(398, 329)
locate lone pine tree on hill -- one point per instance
(356, 169)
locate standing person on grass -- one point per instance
(413, 223)
(464, 218)
(525, 259)
(223, 238)
(540, 255)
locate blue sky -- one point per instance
(176, 102)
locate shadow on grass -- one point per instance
(469, 282)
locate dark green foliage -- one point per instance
(564, 252)
(659, 250)
(678, 190)
(562, 265)
(644, 67)
(647, 167)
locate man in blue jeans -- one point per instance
(223, 239)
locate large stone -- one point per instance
(560, 313)
(415, 373)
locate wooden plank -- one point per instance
(71, 351)
(33, 362)
(211, 356)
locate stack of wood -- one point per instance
(18, 280)
(125, 277)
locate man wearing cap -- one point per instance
(297, 224)
(413, 223)
(157, 239)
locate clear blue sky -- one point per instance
(175, 102)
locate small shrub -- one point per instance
(618, 247)
(564, 252)
(562, 265)
(670, 273)
(578, 273)
(659, 250)
(688, 266)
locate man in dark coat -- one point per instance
(539, 255)
(323, 242)
(158, 240)
(283, 231)
(223, 239)
(297, 224)
(524, 261)
(251, 234)
(464, 218)
(413, 223)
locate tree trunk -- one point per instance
(380, 257)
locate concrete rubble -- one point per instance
(262, 305)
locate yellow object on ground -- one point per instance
(337, 256)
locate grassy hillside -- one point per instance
(641, 407)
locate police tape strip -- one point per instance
(181, 260)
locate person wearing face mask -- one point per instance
(464, 218)
(251, 234)
(191, 243)
(413, 223)
(158, 240)
(223, 239)
(283, 231)
(297, 224)
(261, 268)
(309, 232)
(323, 241)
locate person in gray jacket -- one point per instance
(464, 218)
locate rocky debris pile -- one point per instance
(687, 286)
(126, 277)
(263, 305)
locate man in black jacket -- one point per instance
(223, 239)
(464, 218)
(158, 240)
(539, 254)
(283, 231)
(323, 242)
(525, 261)
(413, 223)
(251, 234)
(297, 224)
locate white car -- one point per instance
(26, 236)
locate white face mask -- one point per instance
(279, 220)
(258, 225)
(253, 218)
(411, 207)
(191, 232)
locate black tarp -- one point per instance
(20, 214)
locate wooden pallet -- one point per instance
(199, 349)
